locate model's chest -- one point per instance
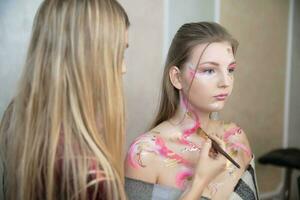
(179, 173)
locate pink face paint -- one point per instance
(182, 177)
(192, 73)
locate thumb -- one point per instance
(206, 147)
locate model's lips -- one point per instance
(221, 97)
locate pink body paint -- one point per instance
(166, 152)
(156, 146)
(235, 145)
(190, 131)
(238, 145)
(182, 176)
(231, 132)
(131, 153)
(135, 148)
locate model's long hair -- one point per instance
(62, 135)
(187, 37)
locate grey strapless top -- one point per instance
(246, 188)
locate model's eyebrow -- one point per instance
(210, 62)
(217, 64)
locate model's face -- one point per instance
(213, 78)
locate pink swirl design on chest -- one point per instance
(156, 146)
(233, 145)
(231, 132)
(166, 152)
(182, 176)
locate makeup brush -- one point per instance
(216, 147)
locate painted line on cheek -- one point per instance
(192, 73)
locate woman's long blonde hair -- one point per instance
(187, 37)
(62, 136)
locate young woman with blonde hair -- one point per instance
(62, 134)
(173, 159)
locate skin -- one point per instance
(199, 84)
(214, 76)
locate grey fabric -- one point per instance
(140, 190)
(246, 188)
(161, 192)
(244, 191)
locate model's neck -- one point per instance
(186, 118)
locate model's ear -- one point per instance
(175, 77)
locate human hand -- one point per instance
(210, 163)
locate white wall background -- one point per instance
(16, 17)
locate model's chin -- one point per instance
(210, 107)
(217, 106)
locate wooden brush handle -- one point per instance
(217, 148)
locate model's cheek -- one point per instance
(199, 97)
(230, 88)
(205, 88)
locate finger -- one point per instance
(220, 142)
(221, 160)
(206, 147)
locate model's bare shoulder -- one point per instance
(237, 140)
(143, 161)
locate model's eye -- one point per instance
(208, 71)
